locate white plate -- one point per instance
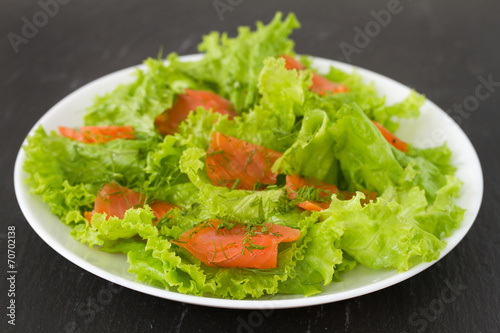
(432, 128)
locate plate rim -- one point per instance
(247, 304)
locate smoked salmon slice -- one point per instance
(238, 164)
(391, 138)
(97, 134)
(298, 186)
(294, 183)
(168, 121)
(115, 200)
(320, 84)
(235, 246)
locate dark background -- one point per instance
(440, 48)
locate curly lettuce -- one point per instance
(330, 138)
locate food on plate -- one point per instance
(115, 200)
(97, 134)
(238, 164)
(168, 121)
(319, 83)
(247, 173)
(313, 194)
(234, 245)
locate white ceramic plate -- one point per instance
(432, 128)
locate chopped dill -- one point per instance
(249, 159)
(215, 250)
(165, 220)
(216, 152)
(258, 186)
(311, 193)
(222, 248)
(256, 201)
(194, 232)
(236, 183)
(247, 241)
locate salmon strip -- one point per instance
(236, 163)
(320, 84)
(235, 247)
(115, 200)
(168, 121)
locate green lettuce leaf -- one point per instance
(382, 234)
(366, 97)
(331, 138)
(165, 181)
(311, 154)
(366, 159)
(195, 131)
(429, 167)
(348, 263)
(122, 245)
(67, 174)
(102, 228)
(317, 267)
(158, 264)
(443, 215)
(233, 65)
(119, 160)
(363, 94)
(440, 156)
(408, 108)
(272, 122)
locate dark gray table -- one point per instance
(441, 48)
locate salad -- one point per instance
(247, 173)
